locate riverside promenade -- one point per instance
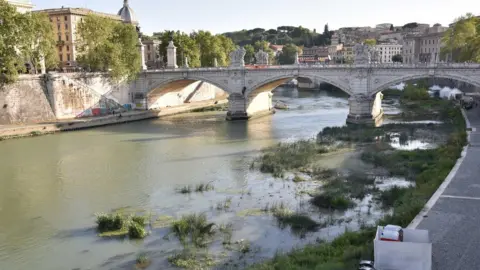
(17, 131)
(453, 214)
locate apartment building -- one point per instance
(424, 48)
(64, 22)
(21, 5)
(387, 51)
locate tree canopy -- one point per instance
(201, 48)
(371, 42)
(283, 35)
(463, 39)
(24, 38)
(107, 45)
(287, 57)
(397, 58)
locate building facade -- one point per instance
(424, 48)
(64, 22)
(152, 54)
(21, 5)
(387, 51)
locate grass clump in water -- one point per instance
(224, 205)
(287, 156)
(142, 261)
(389, 197)
(332, 201)
(198, 188)
(299, 223)
(136, 231)
(193, 230)
(204, 187)
(113, 225)
(110, 222)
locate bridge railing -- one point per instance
(327, 66)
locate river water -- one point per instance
(51, 186)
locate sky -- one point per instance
(219, 16)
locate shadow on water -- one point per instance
(158, 139)
(242, 153)
(73, 233)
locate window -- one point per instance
(66, 36)
(66, 26)
(148, 57)
(51, 20)
(65, 18)
(68, 48)
(59, 37)
(68, 57)
(148, 47)
(60, 57)
(58, 27)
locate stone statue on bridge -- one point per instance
(362, 54)
(261, 57)
(237, 57)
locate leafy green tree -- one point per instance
(44, 45)
(391, 27)
(287, 57)
(264, 46)
(107, 45)
(250, 54)
(24, 38)
(463, 39)
(397, 58)
(371, 42)
(186, 47)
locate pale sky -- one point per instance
(220, 16)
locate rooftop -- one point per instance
(77, 11)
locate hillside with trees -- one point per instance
(283, 35)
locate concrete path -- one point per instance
(14, 131)
(454, 219)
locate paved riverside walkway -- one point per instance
(454, 219)
(14, 131)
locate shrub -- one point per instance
(136, 231)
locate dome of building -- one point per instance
(437, 24)
(127, 14)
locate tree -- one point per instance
(370, 42)
(186, 47)
(24, 38)
(391, 27)
(397, 58)
(463, 39)
(107, 45)
(44, 45)
(287, 57)
(250, 54)
(264, 46)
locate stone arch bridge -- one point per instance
(250, 89)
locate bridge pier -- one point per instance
(244, 108)
(365, 110)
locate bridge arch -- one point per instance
(176, 91)
(259, 95)
(401, 79)
(271, 83)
